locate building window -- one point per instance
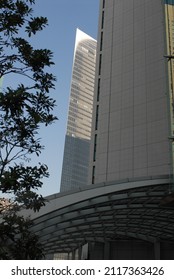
(95, 147)
(93, 174)
(100, 62)
(98, 90)
(96, 119)
(102, 23)
(101, 41)
(103, 4)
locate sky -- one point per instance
(64, 16)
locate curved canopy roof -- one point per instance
(126, 210)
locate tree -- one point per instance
(23, 110)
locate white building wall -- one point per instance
(131, 138)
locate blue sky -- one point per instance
(64, 17)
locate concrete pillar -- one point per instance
(73, 254)
(157, 250)
(79, 253)
(107, 251)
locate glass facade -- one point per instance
(1, 80)
(169, 2)
(78, 135)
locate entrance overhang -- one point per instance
(127, 209)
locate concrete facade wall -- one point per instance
(130, 116)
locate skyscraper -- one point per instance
(133, 123)
(129, 214)
(78, 135)
(1, 80)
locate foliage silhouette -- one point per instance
(23, 110)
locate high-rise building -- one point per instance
(1, 80)
(78, 135)
(128, 210)
(133, 120)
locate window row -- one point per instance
(98, 92)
